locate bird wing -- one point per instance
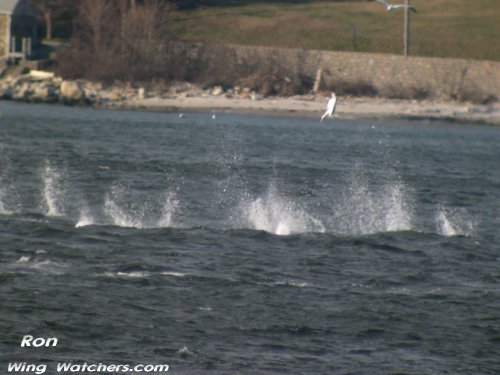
(404, 6)
(384, 2)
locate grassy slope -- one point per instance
(443, 28)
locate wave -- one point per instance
(294, 284)
(143, 274)
(27, 263)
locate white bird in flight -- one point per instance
(395, 6)
(330, 107)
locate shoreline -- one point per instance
(44, 87)
(314, 106)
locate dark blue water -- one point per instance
(249, 244)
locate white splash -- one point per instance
(85, 218)
(118, 215)
(9, 197)
(3, 209)
(53, 190)
(397, 212)
(368, 208)
(276, 214)
(185, 352)
(169, 208)
(454, 222)
(443, 225)
(132, 210)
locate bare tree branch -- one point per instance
(49, 9)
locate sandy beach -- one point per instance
(313, 106)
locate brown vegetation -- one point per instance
(132, 46)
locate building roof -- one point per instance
(17, 8)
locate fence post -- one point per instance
(28, 47)
(23, 48)
(406, 51)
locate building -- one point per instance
(17, 29)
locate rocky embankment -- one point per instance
(45, 87)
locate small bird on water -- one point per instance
(330, 107)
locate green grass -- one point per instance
(442, 28)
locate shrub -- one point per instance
(355, 87)
(472, 93)
(394, 91)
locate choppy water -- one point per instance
(249, 244)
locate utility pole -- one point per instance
(406, 33)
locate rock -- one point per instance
(141, 93)
(245, 94)
(217, 90)
(43, 93)
(13, 81)
(21, 92)
(91, 93)
(5, 92)
(72, 92)
(255, 96)
(113, 95)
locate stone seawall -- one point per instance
(389, 75)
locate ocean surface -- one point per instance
(246, 244)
